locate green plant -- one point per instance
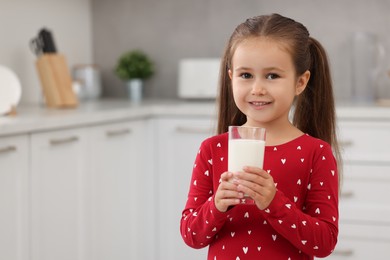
(134, 64)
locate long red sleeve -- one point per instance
(301, 222)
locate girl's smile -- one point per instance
(258, 105)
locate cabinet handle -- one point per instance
(347, 194)
(343, 252)
(192, 130)
(7, 149)
(118, 132)
(347, 143)
(65, 140)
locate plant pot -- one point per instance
(134, 87)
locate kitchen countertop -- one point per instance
(34, 118)
(363, 111)
(30, 119)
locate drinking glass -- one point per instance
(246, 147)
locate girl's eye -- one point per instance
(246, 75)
(272, 76)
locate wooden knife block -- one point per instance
(56, 81)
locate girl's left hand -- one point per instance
(257, 184)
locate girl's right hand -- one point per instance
(227, 194)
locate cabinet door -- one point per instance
(178, 141)
(13, 198)
(365, 193)
(361, 242)
(365, 141)
(121, 192)
(57, 199)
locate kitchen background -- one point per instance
(99, 31)
(103, 180)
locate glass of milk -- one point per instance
(246, 147)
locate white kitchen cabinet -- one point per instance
(362, 241)
(121, 192)
(57, 195)
(177, 142)
(364, 206)
(93, 192)
(14, 161)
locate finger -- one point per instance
(242, 177)
(226, 194)
(259, 195)
(227, 185)
(249, 188)
(226, 198)
(256, 170)
(262, 186)
(226, 176)
(223, 205)
(230, 202)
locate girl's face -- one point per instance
(264, 81)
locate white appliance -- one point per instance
(10, 90)
(198, 78)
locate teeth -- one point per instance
(259, 103)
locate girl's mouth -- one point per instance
(259, 103)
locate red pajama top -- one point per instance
(301, 222)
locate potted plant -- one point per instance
(134, 67)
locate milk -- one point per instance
(245, 152)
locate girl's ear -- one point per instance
(302, 82)
(230, 74)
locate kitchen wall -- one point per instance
(99, 31)
(173, 29)
(20, 21)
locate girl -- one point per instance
(269, 62)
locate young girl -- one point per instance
(270, 62)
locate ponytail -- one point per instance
(315, 112)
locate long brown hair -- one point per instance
(314, 111)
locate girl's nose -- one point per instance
(258, 89)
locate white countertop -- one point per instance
(30, 119)
(365, 112)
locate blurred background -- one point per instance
(99, 31)
(73, 181)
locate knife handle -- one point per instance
(47, 40)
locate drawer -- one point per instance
(365, 141)
(365, 193)
(369, 214)
(358, 242)
(355, 249)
